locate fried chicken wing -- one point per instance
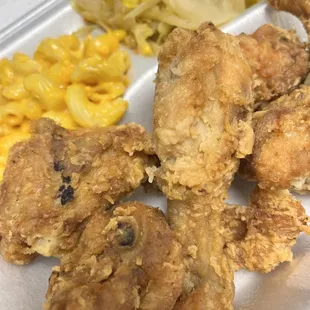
(281, 152)
(279, 61)
(202, 112)
(262, 235)
(57, 179)
(126, 258)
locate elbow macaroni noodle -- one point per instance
(77, 83)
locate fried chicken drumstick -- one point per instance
(56, 180)
(126, 258)
(202, 112)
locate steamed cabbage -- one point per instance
(148, 22)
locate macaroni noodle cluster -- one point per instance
(78, 83)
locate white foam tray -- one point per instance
(23, 288)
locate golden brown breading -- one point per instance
(299, 8)
(202, 112)
(279, 61)
(281, 152)
(209, 278)
(262, 235)
(125, 259)
(57, 179)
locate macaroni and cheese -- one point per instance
(77, 83)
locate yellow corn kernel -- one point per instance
(49, 95)
(121, 60)
(62, 118)
(119, 33)
(94, 70)
(146, 49)
(88, 114)
(141, 32)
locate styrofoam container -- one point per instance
(24, 287)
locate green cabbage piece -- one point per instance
(150, 22)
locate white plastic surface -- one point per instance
(286, 288)
(10, 11)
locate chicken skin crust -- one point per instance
(54, 181)
(281, 152)
(261, 236)
(279, 61)
(202, 126)
(126, 258)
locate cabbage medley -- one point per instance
(148, 22)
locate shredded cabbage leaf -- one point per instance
(148, 22)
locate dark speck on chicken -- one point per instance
(58, 166)
(66, 179)
(67, 195)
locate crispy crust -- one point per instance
(126, 258)
(57, 179)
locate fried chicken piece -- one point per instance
(279, 61)
(209, 279)
(262, 235)
(57, 179)
(125, 259)
(281, 152)
(202, 112)
(299, 8)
